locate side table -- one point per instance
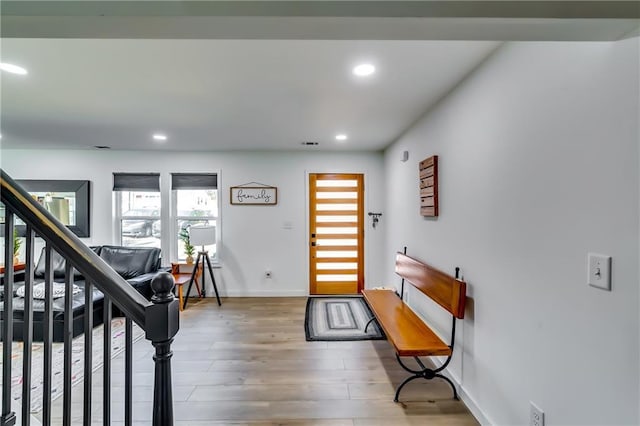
(16, 267)
(181, 272)
(180, 280)
(184, 268)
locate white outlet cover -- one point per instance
(599, 272)
(536, 415)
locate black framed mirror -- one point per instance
(67, 200)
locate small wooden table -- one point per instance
(187, 268)
(16, 267)
(180, 280)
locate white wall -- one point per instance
(253, 237)
(538, 166)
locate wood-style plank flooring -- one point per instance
(247, 362)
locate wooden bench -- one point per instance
(410, 335)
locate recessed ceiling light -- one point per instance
(341, 137)
(159, 137)
(364, 70)
(13, 69)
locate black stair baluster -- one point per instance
(47, 336)
(68, 340)
(106, 389)
(88, 351)
(8, 416)
(128, 373)
(27, 330)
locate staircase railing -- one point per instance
(159, 318)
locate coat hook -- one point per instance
(376, 218)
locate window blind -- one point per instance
(194, 181)
(136, 182)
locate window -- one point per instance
(195, 202)
(137, 200)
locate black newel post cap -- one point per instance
(162, 317)
(162, 285)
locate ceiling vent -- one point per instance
(309, 143)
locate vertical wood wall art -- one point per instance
(429, 186)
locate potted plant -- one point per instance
(17, 243)
(189, 250)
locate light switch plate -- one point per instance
(599, 271)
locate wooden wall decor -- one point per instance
(257, 195)
(429, 186)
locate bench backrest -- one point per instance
(445, 290)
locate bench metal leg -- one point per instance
(407, 380)
(425, 373)
(455, 392)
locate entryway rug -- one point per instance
(57, 361)
(339, 318)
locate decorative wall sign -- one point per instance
(429, 187)
(254, 194)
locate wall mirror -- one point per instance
(67, 200)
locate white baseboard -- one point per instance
(473, 406)
(468, 400)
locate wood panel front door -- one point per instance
(336, 233)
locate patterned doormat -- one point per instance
(57, 361)
(339, 318)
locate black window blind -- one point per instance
(136, 182)
(194, 181)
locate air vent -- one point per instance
(310, 143)
(102, 147)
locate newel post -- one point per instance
(162, 323)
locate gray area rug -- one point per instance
(339, 318)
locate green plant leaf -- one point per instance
(17, 242)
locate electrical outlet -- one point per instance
(599, 271)
(267, 274)
(536, 415)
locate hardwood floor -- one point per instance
(247, 362)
